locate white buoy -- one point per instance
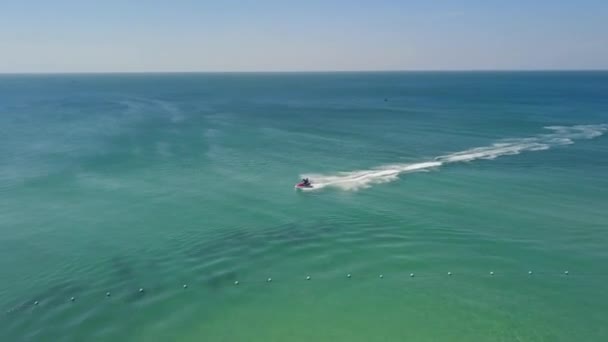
(141, 290)
(348, 275)
(185, 286)
(566, 272)
(491, 272)
(307, 277)
(35, 302)
(108, 294)
(72, 299)
(236, 282)
(269, 280)
(530, 272)
(411, 275)
(381, 276)
(449, 273)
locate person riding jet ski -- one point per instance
(305, 183)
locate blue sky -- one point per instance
(188, 35)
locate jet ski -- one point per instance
(304, 184)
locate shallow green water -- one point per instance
(112, 183)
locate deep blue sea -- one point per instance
(446, 206)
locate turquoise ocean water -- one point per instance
(438, 193)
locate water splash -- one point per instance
(560, 135)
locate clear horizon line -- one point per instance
(293, 71)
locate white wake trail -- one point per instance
(560, 135)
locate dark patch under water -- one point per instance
(244, 241)
(241, 243)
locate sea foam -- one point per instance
(560, 135)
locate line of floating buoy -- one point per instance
(308, 277)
